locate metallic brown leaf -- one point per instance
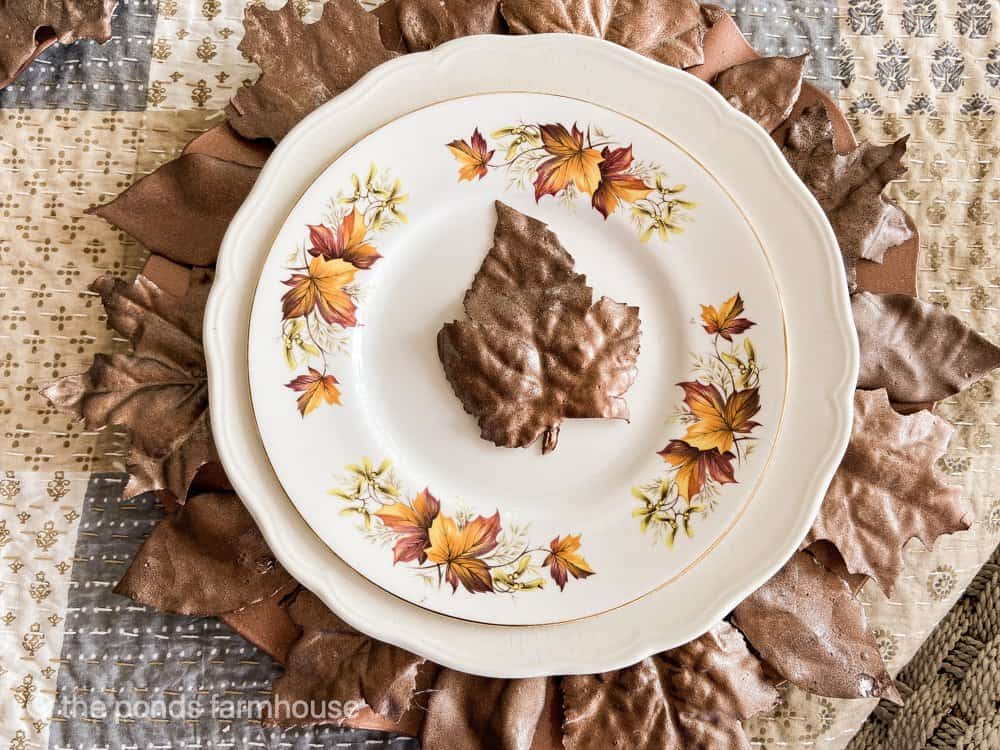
(669, 32)
(224, 143)
(535, 350)
(689, 698)
(330, 56)
(334, 662)
(182, 210)
(764, 90)
(206, 559)
(808, 625)
(27, 27)
(425, 24)
(267, 624)
(917, 351)
(886, 491)
(849, 187)
(482, 713)
(159, 391)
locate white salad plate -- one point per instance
(337, 425)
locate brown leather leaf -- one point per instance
(182, 210)
(27, 27)
(808, 625)
(849, 187)
(764, 90)
(669, 32)
(159, 391)
(334, 662)
(424, 24)
(689, 698)
(534, 350)
(206, 559)
(917, 351)
(482, 713)
(886, 490)
(330, 56)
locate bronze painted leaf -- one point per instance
(482, 713)
(330, 56)
(27, 27)
(267, 624)
(765, 90)
(849, 187)
(917, 351)
(669, 32)
(808, 625)
(535, 350)
(334, 662)
(159, 391)
(886, 490)
(182, 210)
(206, 559)
(424, 24)
(692, 697)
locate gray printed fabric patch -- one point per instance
(132, 677)
(87, 75)
(794, 27)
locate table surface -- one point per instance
(87, 120)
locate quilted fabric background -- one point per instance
(87, 120)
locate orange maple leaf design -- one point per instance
(696, 465)
(314, 388)
(564, 560)
(321, 288)
(412, 524)
(719, 419)
(570, 162)
(473, 158)
(348, 242)
(725, 321)
(460, 550)
(617, 184)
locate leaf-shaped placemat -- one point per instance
(27, 27)
(849, 187)
(808, 625)
(764, 90)
(424, 24)
(886, 490)
(482, 713)
(669, 32)
(691, 697)
(535, 350)
(224, 143)
(332, 660)
(329, 56)
(205, 559)
(182, 210)
(159, 392)
(917, 351)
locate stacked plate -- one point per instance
(338, 426)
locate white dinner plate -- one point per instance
(339, 428)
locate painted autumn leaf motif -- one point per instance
(473, 158)
(536, 349)
(725, 321)
(718, 411)
(476, 553)
(618, 183)
(321, 289)
(719, 419)
(571, 162)
(349, 242)
(314, 389)
(412, 523)
(564, 559)
(459, 550)
(694, 466)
